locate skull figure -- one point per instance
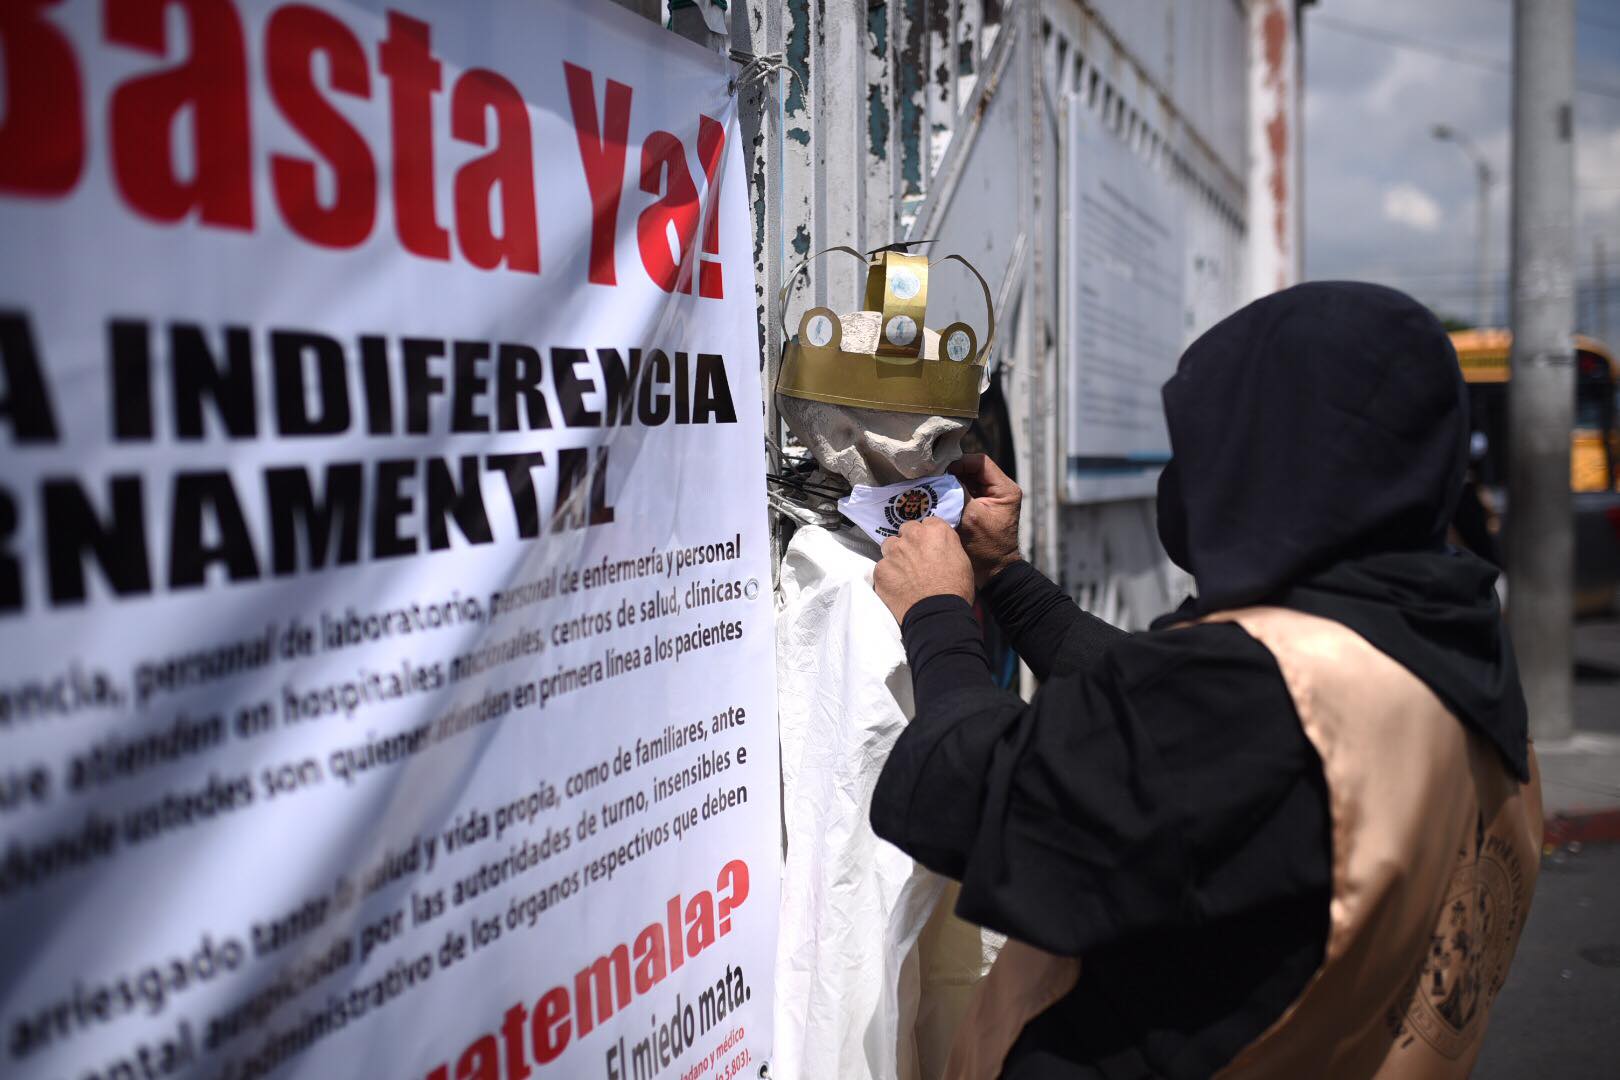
(873, 446)
(874, 400)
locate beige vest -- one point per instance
(1435, 852)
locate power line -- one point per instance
(1446, 52)
(1402, 41)
(1588, 19)
(1585, 283)
(1448, 265)
(1460, 283)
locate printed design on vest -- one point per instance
(1469, 950)
(913, 504)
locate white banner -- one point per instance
(1126, 312)
(386, 685)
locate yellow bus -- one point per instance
(1594, 460)
(1595, 443)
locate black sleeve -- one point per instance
(1169, 786)
(944, 649)
(1046, 628)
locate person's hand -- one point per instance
(989, 528)
(925, 560)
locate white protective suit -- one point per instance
(858, 996)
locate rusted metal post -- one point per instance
(1274, 175)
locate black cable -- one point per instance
(799, 484)
(1398, 40)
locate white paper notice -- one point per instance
(1126, 314)
(386, 678)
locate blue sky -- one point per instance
(1386, 201)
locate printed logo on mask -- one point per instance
(913, 504)
(880, 511)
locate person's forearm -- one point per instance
(945, 649)
(1044, 626)
(927, 800)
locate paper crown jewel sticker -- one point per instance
(896, 375)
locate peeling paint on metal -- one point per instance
(939, 24)
(801, 240)
(1275, 32)
(798, 58)
(1274, 45)
(1277, 146)
(758, 185)
(799, 135)
(877, 110)
(910, 67)
(877, 123)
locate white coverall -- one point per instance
(857, 996)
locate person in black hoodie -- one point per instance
(1161, 810)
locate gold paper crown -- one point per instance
(895, 377)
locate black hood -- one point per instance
(1319, 441)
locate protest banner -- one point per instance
(386, 684)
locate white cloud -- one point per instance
(1409, 205)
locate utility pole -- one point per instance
(1541, 393)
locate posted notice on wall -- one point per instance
(1126, 313)
(386, 679)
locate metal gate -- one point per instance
(946, 120)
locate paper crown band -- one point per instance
(894, 377)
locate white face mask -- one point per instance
(880, 511)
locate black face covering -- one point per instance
(1319, 440)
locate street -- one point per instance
(1559, 1014)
